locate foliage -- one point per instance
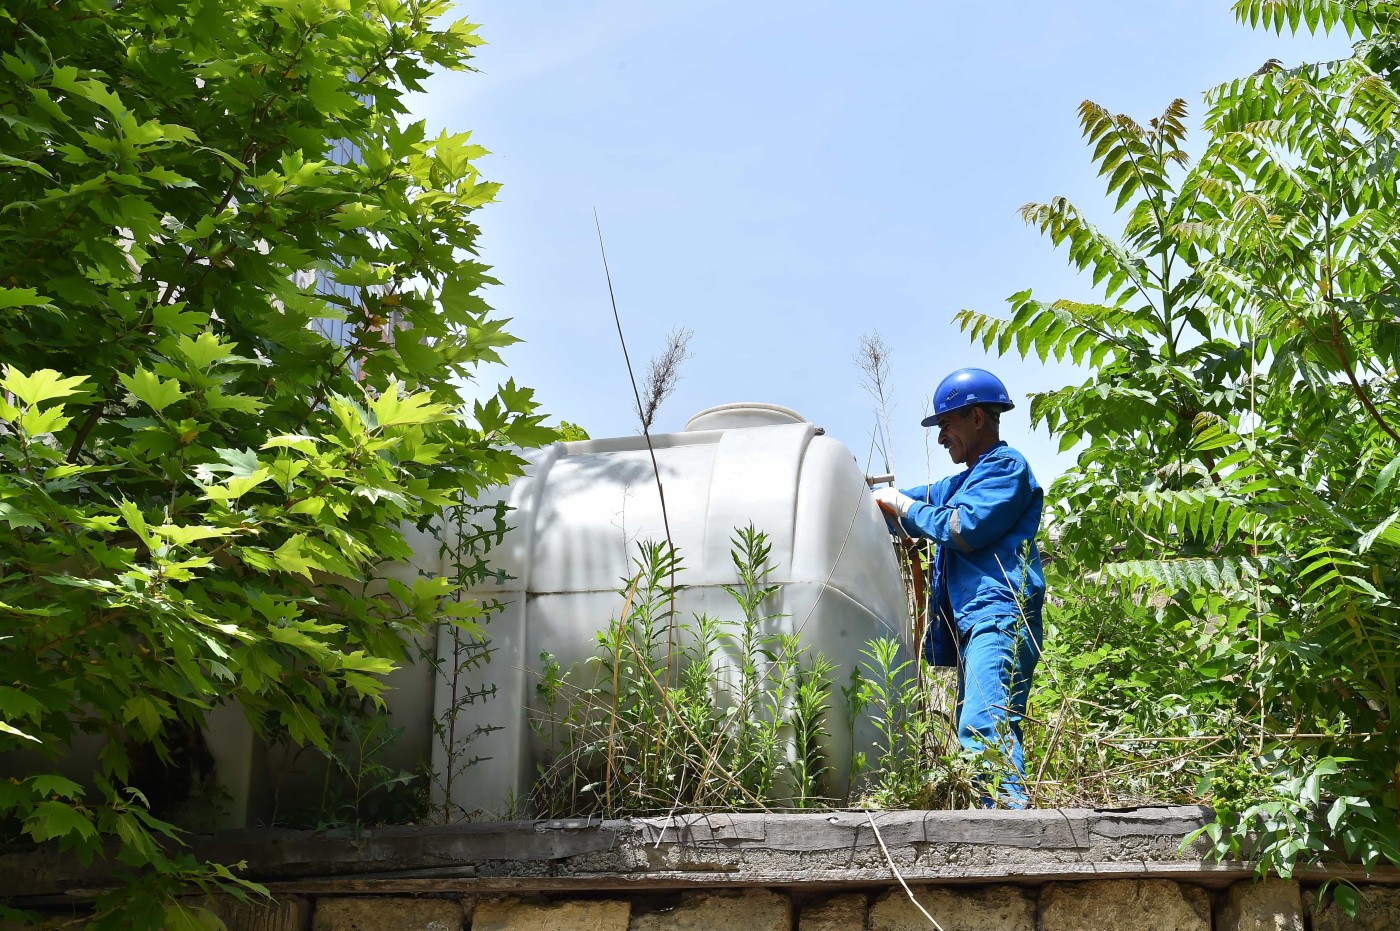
(1127, 703)
(464, 538)
(739, 717)
(714, 714)
(199, 484)
(914, 765)
(1236, 487)
(571, 432)
(358, 786)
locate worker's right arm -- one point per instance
(990, 501)
(925, 494)
(934, 494)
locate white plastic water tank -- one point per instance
(579, 512)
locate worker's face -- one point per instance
(957, 433)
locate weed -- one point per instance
(741, 719)
(742, 724)
(913, 765)
(463, 547)
(358, 784)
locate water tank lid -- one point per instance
(742, 414)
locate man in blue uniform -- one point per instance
(987, 590)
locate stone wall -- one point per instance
(1093, 905)
(1126, 870)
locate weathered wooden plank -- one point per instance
(426, 845)
(827, 849)
(1174, 819)
(279, 854)
(1069, 828)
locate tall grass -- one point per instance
(725, 713)
(742, 724)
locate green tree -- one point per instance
(198, 486)
(1237, 488)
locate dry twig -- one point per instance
(663, 374)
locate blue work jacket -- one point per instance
(984, 520)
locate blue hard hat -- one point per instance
(967, 387)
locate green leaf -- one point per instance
(178, 319)
(150, 389)
(146, 712)
(304, 726)
(165, 176)
(26, 165)
(204, 351)
(237, 486)
(22, 297)
(18, 702)
(390, 409)
(291, 556)
(7, 728)
(311, 507)
(1346, 898)
(182, 917)
(1386, 531)
(48, 785)
(57, 820)
(43, 385)
(356, 216)
(132, 516)
(1387, 476)
(37, 422)
(185, 535)
(19, 517)
(299, 442)
(459, 292)
(239, 463)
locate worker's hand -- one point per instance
(893, 502)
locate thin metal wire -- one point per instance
(895, 870)
(826, 583)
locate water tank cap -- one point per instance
(742, 414)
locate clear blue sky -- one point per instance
(782, 177)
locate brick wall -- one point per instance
(1092, 905)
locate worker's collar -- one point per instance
(984, 452)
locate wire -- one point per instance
(895, 870)
(826, 583)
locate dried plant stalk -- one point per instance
(663, 374)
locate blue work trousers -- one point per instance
(997, 658)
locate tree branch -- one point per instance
(1339, 343)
